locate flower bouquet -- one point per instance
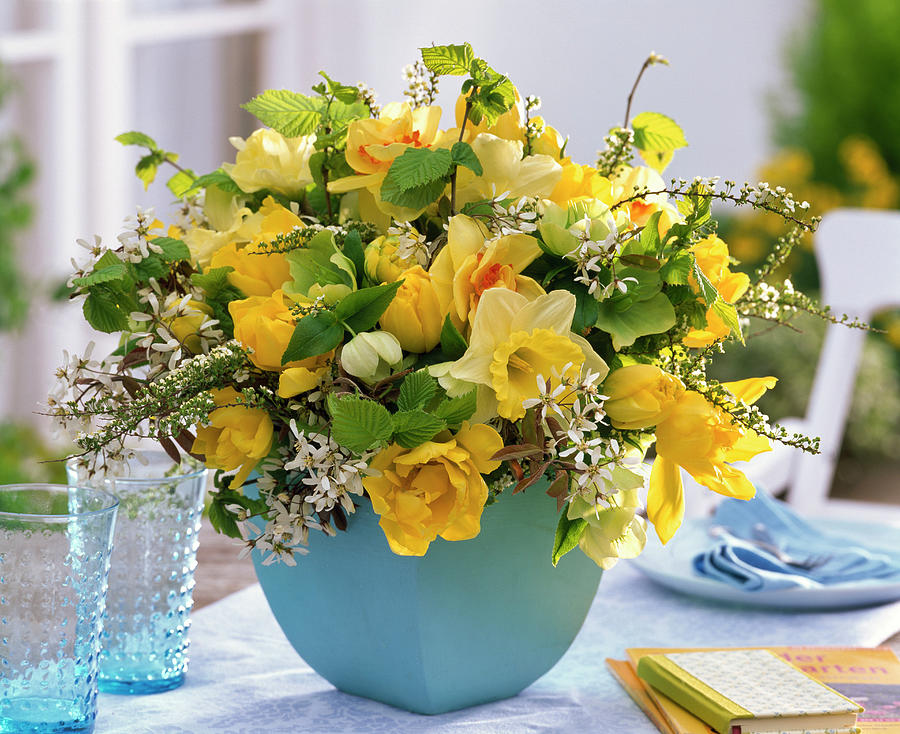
(369, 311)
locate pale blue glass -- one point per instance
(55, 544)
(151, 578)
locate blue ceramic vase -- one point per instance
(470, 622)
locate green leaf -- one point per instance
(416, 198)
(626, 321)
(568, 533)
(110, 273)
(286, 112)
(217, 178)
(172, 249)
(151, 267)
(359, 423)
(454, 60)
(343, 92)
(462, 155)
(414, 427)
(146, 168)
(649, 239)
(343, 112)
(353, 249)
(658, 159)
(417, 389)
(361, 309)
(656, 132)
(419, 166)
(314, 334)
(223, 520)
(136, 138)
(587, 308)
(106, 310)
(728, 313)
(181, 183)
(315, 263)
(456, 410)
(708, 291)
(677, 268)
(213, 281)
(453, 343)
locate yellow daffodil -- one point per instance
(237, 436)
(640, 396)
(713, 259)
(470, 264)
(265, 325)
(435, 489)
(631, 180)
(702, 439)
(504, 170)
(514, 340)
(373, 144)
(579, 181)
(268, 160)
(416, 314)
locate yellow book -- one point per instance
(870, 676)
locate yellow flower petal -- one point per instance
(665, 498)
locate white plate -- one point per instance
(670, 566)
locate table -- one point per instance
(246, 679)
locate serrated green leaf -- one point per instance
(342, 112)
(289, 113)
(217, 178)
(150, 267)
(361, 309)
(213, 281)
(452, 59)
(462, 155)
(416, 198)
(414, 427)
(708, 291)
(314, 334)
(116, 271)
(625, 322)
(728, 313)
(106, 310)
(417, 167)
(181, 183)
(677, 268)
(172, 249)
(146, 168)
(417, 389)
(656, 132)
(568, 533)
(453, 343)
(456, 410)
(136, 138)
(359, 423)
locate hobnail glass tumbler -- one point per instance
(151, 577)
(55, 544)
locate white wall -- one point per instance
(580, 57)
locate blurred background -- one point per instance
(803, 94)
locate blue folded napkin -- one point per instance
(735, 559)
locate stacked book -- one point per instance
(789, 690)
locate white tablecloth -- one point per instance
(246, 679)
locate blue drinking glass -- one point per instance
(55, 544)
(151, 577)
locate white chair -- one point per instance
(858, 253)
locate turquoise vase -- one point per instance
(470, 622)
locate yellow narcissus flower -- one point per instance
(564, 227)
(237, 436)
(504, 170)
(268, 160)
(435, 489)
(373, 144)
(640, 396)
(416, 315)
(713, 259)
(702, 439)
(255, 272)
(629, 181)
(266, 325)
(187, 327)
(579, 181)
(382, 263)
(468, 266)
(514, 340)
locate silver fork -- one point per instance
(804, 564)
